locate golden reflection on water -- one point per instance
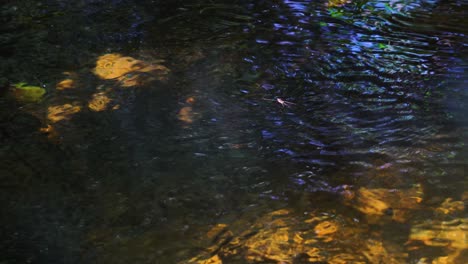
(452, 234)
(70, 82)
(449, 207)
(65, 84)
(99, 102)
(397, 203)
(187, 114)
(282, 236)
(128, 70)
(276, 238)
(63, 112)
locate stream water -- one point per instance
(268, 131)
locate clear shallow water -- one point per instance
(176, 150)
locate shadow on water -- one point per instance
(240, 132)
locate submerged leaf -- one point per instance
(27, 93)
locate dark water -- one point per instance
(139, 158)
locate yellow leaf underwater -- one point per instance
(27, 93)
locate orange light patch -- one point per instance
(61, 112)
(397, 203)
(186, 115)
(99, 102)
(450, 207)
(65, 84)
(190, 100)
(442, 234)
(129, 71)
(325, 228)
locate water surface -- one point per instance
(234, 132)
